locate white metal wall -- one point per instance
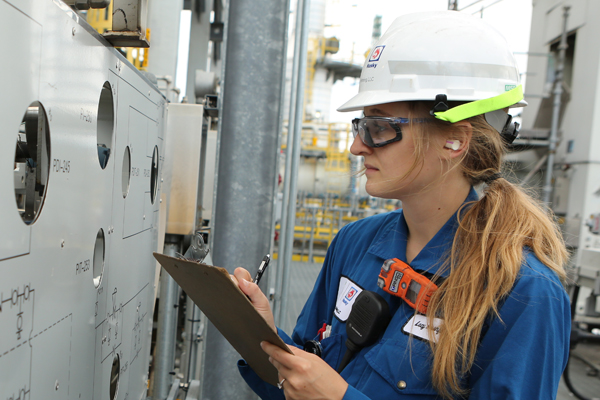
(77, 285)
(578, 154)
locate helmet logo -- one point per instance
(376, 53)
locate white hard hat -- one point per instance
(441, 56)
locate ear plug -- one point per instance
(452, 144)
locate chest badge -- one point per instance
(419, 326)
(348, 291)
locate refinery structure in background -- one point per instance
(109, 166)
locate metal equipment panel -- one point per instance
(27, 6)
(76, 306)
(135, 195)
(24, 88)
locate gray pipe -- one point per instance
(249, 123)
(198, 48)
(298, 119)
(193, 342)
(556, 110)
(535, 169)
(288, 177)
(189, 355)
(164, 362)
(313, 226)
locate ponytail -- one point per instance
(486, 257)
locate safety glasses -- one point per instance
(379, 131)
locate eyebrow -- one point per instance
(379, 112)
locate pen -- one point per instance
(261, 269)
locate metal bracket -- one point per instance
(210, 106)
(216, 31)
(129, 24)
(87, 4)
(173, 391)
(193, 392)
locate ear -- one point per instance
(457, 143)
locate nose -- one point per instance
(359, 148)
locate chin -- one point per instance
(393, 190)
(382, 193)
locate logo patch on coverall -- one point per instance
(348, 291)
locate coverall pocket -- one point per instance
(405, 367)
(332, 348)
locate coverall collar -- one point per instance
(392, 243)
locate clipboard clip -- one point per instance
(197, 251)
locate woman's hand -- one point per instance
(259, 300)
(306, 375)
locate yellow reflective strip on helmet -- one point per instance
(483, 106)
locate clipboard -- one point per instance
(228, 308)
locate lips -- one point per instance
(370, 168)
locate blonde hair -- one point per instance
(486, 254)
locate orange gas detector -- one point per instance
(399, 279)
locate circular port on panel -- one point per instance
(32, 162)
(98, 264)
(114, 377)
(154, 175)
(126, 176)
(105, 124)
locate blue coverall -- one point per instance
(521, 356)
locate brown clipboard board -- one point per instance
(213, 291)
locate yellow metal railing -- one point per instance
(337, 158)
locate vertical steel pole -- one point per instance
(562, 49)
(189, 355)
(164, 361)
(313, 227)
(298, 120)
(282, 251)
(249, 125)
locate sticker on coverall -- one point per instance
(348, 291)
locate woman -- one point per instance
(434, 92)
